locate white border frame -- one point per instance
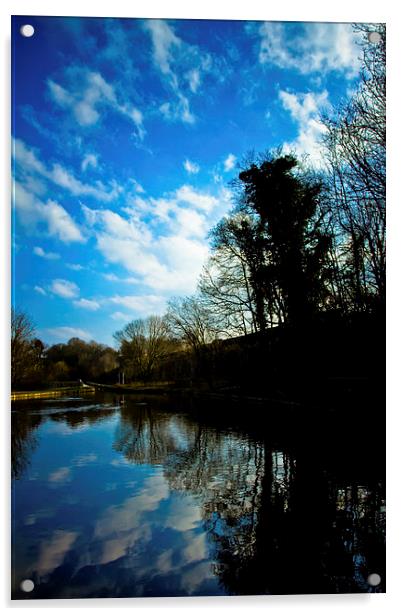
(292, 10)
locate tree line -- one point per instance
(300, 244)
(33, 364)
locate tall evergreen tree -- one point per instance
(285, 202)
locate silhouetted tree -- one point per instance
(241, 235)
(143, 343)
(278, 230)
(355, 150)
(226, 291)
(26, 351)
(190, 321)
(80, 359)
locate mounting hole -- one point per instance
(374, 579)
(27, 585)
(27, 30)
(374, 37)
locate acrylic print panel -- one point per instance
(198, 308)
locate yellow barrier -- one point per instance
(29, 395)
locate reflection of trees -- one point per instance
(225, 470)
(359, 513)
(91, 415)
(277, 521)
(24, 424)
(23, 441)
(303, 540)
(247, 537)
(146, 437)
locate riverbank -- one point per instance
(200, 393)
(330, 393)
(50, 393)
(155, 388)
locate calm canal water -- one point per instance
(116, 497)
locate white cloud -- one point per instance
(120, 316)
(187, 212)
(179, 110)
(318, 47)
(135, 115)
(195, 198)
(60, 223)
(88, 98)
(111, 277)
(62, 177)
(66, 332)
(141, 305)
(87, 304)
(185, 258)
(76, 267)
(137, 186)
(35, 185)
(39, 252)
(28, 158)
(165, 255)
(190, 223)
(133, 257)
(194, 79)
(85, 459)
(305, 110)
(64, 288)
(127, 242)
(184, 515)
(165, 110)
(60, 476)
(53, 551)
(164, 562)
(28, 161)
(59, 94)
(181, 65)
(193, 578)
(303, 105)
(196, 548)
(33, 212)
(114, 278)
(191, 167)
(89, 160)
(229, 162)
(85, 113)
(40, 290)
(125, 524)
(164, 42)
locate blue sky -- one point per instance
(126, 134)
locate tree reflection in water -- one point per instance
(23, 441)
(279, 521)
(292, 515)
(28, 416)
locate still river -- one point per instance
(123, 497)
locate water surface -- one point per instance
(121, 497)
